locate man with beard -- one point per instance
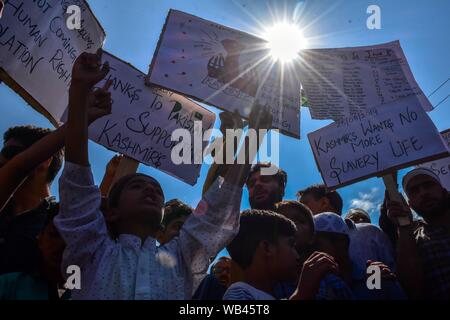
(423, 246)
(264, 191)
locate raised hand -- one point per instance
(260, 117)
(87, 70)
(230, 120)
(386, 272)
(99, 103)
(313, 271)
(396, 210)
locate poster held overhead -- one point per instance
(385, 138)
(225, 68)
(340, 82)
(143, 119)
(37, 50)
(442, 166)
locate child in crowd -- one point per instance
(132, 266)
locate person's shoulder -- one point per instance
(244, 291)
(368, 226)
(240, 291)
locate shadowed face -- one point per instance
(285, 261)
(426, 196)
(52, 247)
(305, 232)
(11, 148)
(222, 271)
(264, 191)
(141, 201)
(172, 229)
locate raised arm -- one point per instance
(16, 170)
(409, 266)
(86, 73)
(260, 118)
(91, 105)
(80, 221)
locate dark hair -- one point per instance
(300, 207)
(117, 188)
(281, 175)
(319, 191)
(257, 226)
(173, 209)
(27, 136)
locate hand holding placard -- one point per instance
(403, 217)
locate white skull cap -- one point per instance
(416, 172)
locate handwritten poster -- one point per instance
(37, 50)
(346, 81)
(442, 166)
(390, 137)
(225, 68)
(143, 119)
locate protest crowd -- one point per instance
(129, 242)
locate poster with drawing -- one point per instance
(225, 68)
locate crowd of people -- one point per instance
(129, 242)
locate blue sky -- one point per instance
(133, 28)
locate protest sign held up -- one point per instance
(340, 82)
(143, 119)
(389, 137)
(226, 68)
(37, 50)
(442, 166)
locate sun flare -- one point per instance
(285, 41)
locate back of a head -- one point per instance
(358, 215)
(174, 209)
(319, 191)
(299, 207)
(257, 226)
(27, 136)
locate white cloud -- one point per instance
(366, 201)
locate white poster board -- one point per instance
(345, 81)
(143, 119)
(225, 68)
(37, 50)
(389, 137)
(442, 166)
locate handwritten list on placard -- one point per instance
(442, 166)
(225, 68)
(143, 119)
(389, 137)
(341, 82)
(37, 50)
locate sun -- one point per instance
(285, 41)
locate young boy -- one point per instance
(331, 286)
(265, 249)
(303, 220)
(132, 266)
(332, 237)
